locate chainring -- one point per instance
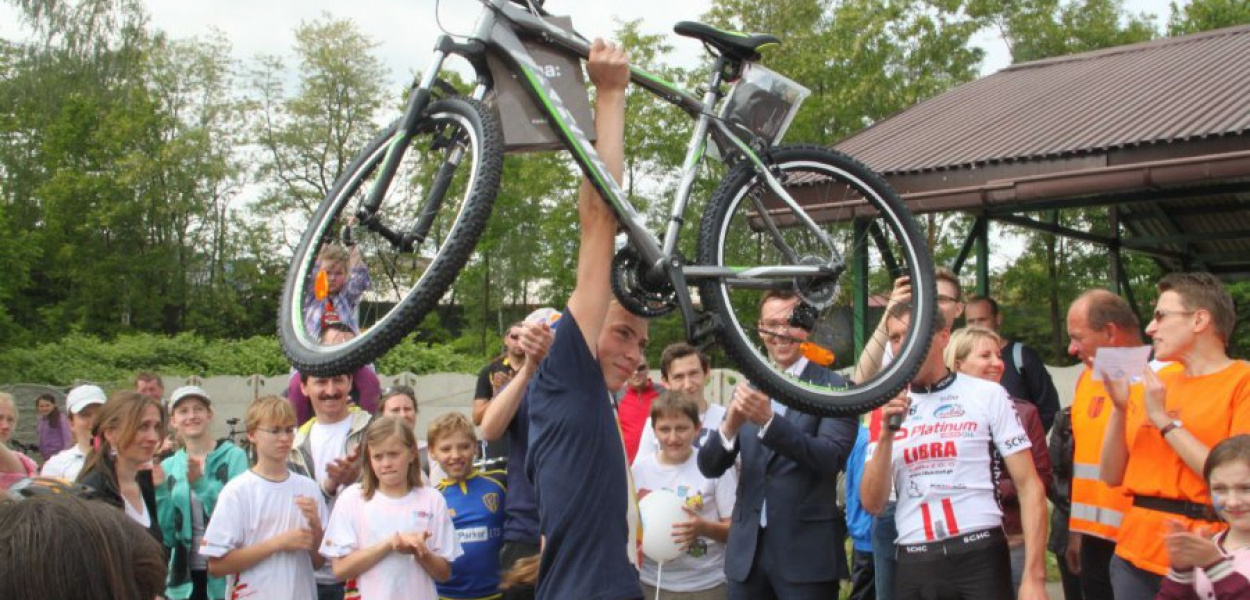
(629, 284)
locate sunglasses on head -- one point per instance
(397, 390)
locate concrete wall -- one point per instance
(437, 394)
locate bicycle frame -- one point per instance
(497, 31)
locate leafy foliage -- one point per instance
(83, 357)
(151, 188)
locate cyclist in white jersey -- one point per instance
(950, 538)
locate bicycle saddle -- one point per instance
(742, 46)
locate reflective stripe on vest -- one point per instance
(1097, 514)
(1084, 471)
(1097, 508)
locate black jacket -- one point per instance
(106, 489)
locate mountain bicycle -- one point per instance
(238, 436)
(784, 218)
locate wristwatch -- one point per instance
(1166, 429)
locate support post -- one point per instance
(1117, 261)
(982, 226)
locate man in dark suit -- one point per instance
(786, 539)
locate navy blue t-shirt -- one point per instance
(520, 505)
(577, 463)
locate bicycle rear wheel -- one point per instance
(747, 225)
(405, 254)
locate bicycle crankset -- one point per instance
(819, 291)
(633, 289)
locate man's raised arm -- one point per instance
(608, 67)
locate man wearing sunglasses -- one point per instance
(492, 379)
(1155, 450)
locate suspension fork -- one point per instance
(418, 100)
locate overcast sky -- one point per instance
(405, 29)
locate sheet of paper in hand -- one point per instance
(1121, 363)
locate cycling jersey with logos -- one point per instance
(942, 462)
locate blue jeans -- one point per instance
(330, 591)
(884, 532)
(1128, 581)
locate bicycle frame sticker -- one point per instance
(562, 120)
(526, 127)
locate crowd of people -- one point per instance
(945, 494)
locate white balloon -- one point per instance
(659, 511)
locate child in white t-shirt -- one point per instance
(709, 502)
(389, 532)
(266, 529)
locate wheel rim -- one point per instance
(394, 276)
(729, 249)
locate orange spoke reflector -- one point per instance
(321, 287)
(817, 354)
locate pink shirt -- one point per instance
(1228, 579)
(8, 479)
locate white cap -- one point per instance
(83, 396)
(550, 316)
(188, 391)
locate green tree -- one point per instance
(1037, 29)
(1205, 15)
(864, 60)
(309, 138)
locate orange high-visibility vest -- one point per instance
(1097, 508)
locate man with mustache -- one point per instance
(326, 448)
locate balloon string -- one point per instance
(659, 574)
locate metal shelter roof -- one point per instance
(1159, 130)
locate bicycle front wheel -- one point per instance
(380, 269)
(860, 233)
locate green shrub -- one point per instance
(83, 357)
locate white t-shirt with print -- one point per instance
(358, 523)
(252, 509)
(703, 565)
(708, 422)
(941, 459)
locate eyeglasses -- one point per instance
(396, 390)
(771, 326)
(947, 299)
(1159, 315)
(277, 431)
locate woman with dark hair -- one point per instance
(127, 433)
(60, 546)
(53, 428)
